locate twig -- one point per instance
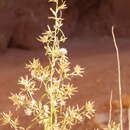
(119, 78)
(128, 118)
(110, 110)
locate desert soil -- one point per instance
(96, 56)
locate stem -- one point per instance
(110, 111)
(51, 116)
(129, 118)
(119, 78)
(53, 109)
(63, 125)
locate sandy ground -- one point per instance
(96, 56)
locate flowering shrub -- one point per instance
(50, 109)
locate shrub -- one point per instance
(53, 81)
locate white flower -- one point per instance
(38, 77)
(22, 97)
(33, 102)
(26, 81)
(63, 51)
(46, 108)
(28, 112)
(62, 103)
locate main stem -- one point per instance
(119, 79)
(53, 109)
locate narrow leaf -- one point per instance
(53, 12)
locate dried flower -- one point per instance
(18, 99)
(29, 85)
(89, 110)
(78, 70)
(113, 126)
(63, 51)
(7, 119)
(28, 112)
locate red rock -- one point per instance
(23, 20)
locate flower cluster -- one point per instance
(8, 119)
(113, 126)
(75, 115)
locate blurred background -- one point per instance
(87, 25)
(21, 21)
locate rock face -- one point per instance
(97, 16)
(122, 16)
(23, 20)
(7, 24)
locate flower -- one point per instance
(78, 70)
(72, 115)
(18, 99)
(46, 107)
(26, 81)
(28, 112)
(33, 102)
(63, 51)
(62, 103)
(89, 108)
(46, 110)
(7, 119)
